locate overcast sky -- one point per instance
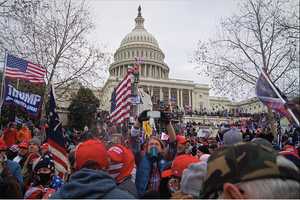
(177, 25)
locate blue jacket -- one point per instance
(91, 184)
(15, 170)
(143, 173)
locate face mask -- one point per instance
(153, 153)
(44, 179)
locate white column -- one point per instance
(190, 98)
(161, 95)
(181, 99)
(150, 71)
(169, 94)
(151, 90)
(159, 72)
(145, 70)
(177, 97)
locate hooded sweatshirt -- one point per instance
(91, 184)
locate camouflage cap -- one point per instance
(244, 162)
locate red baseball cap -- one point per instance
(122, 162)
(93, 150)
(289, 150)
(3, 145)
(24, 145)
(181, 139)
(179, 164)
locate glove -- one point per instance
(143, 116)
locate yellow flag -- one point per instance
(147, 128)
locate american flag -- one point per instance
(120, 104)
(56, 140)
(22, 69)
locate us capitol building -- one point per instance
(154, 77)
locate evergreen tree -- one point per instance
(83, 108)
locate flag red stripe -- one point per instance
(56, 146)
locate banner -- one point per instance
(30, 102)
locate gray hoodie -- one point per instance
(91, 184)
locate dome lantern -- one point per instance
(139, 20)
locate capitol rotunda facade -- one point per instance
(154, 72)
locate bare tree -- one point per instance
(54, 33)
(262, 34)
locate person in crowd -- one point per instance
(12, 151)
(153, 162)
(192, 179)
(291, 152)
(181, 144)
(10, 186)
(24, 134)
(90, 179)
(122, 168)
(232, 136)
(13, 167)
(180, 163)
(34, 145)
(22, 153)
(45, 149)
(40, 187)
(250, 170)
(33, 156)
(10, 134)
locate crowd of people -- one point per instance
(234, 163)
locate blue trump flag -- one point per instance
(30, 102)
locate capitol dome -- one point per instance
(139, 43)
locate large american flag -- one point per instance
(18, 68)
(120, 104)
(56, 140)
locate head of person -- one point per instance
(192, 178)
(23, 148)
(181, 144)
(34, 145)
(122, 162)
(250, 170)
(12, 126)
(91, 154)
(232, 136)
(179, 164)
(155, 147)
(44, 148)
(44, 169)
(3, 148)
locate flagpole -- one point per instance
(278, 94)
(3, 79)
